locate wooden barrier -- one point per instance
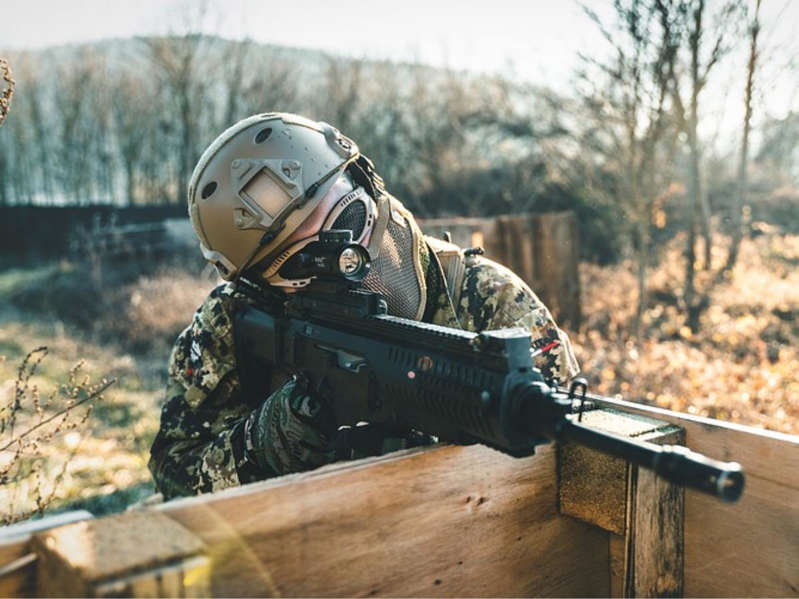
(451, 521)
(458, 520)
(749, 548)
(543, 249)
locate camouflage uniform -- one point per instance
(200, 446)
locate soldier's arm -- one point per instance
(493, 297)
(200, 446)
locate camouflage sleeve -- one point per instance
(493, 297)
(200, 445)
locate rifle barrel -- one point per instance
(675, 463)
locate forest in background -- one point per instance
(688, 225)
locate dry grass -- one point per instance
(31, 425)
(740, 366)
(155, 308)
(129, 340)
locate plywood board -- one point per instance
(445, 521)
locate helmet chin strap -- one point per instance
(363, 172)
(383, 214)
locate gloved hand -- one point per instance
(292, 430)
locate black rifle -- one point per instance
(457, 385)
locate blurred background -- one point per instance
(666, 131)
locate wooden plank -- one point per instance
(93, 557)
(593, 485)
(557, 253)
(749, 548)
(186, 578)
(617, 556)
(17, 570)
(543, 249)
(443, 521)
(19, 580)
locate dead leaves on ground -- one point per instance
(741, 365)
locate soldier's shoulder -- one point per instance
(205, 351)
(215, 312)
(226, 297)
(485, 277)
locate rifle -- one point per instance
(457, 385)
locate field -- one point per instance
(742, 363)
(121, 323)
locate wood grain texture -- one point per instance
(654, 541)
(644, 512)
(593, 485)
(445, 521)
(617, 555)
(77, 559)
(749, 548)
(543, 249)
(186, 578)
(22, 581)
(15, 543)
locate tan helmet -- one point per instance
(259, 181)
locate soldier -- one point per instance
(259, 193)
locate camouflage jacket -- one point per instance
(200, 445)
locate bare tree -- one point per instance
(691, 22)
(179, 63)
(740, 196)
(630, 115)
(76, 124)
(235, 58)
(132, 106)
(341, 92)
(6, 93)
(270, 85)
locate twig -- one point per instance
(70, 407)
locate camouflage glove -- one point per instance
(291, 431)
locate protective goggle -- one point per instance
(354, 212)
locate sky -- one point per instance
(539, 38)
(534, 40)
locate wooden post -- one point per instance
(543, 249)
(643, 512)
(137, 554)
(749, 548)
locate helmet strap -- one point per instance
(363, 172)
(383, 214)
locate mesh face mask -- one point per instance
(396, 273)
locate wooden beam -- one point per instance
(17, 559)
(445, 521)
(654, 535)
(644, 512)
(138, 554)
(749, 548)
